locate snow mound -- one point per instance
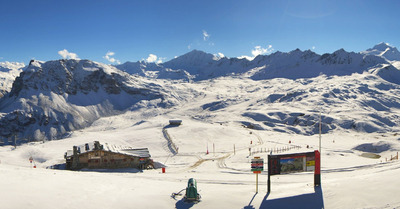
(377, 147)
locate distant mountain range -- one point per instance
(197, 65)
(47, 100)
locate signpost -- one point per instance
(292, 163)
(257, 165)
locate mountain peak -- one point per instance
(384, 50)
(196, 52)
(192, 58)
(381, 46)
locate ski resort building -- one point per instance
(105, 156)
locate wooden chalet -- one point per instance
(105, 156)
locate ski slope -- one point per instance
(224, 178)
(227, 116)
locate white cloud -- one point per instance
(154, 58)
(111, 59)
(313, 47)
(206, 36)
(65, 54)
(246, 57)
(258, 50)
(218, 56)
(151, 58)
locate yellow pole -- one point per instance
(256, 182)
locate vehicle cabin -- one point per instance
(175, 122)
(105, 156)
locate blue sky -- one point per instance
(112, 31)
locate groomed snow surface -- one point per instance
(214, 120)
(224, 178)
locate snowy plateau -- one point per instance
(231, 110)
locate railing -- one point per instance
(395, 157)
(274, 150)
(171, 145)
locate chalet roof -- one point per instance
(89, 147)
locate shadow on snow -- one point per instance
(304, 201)
(116, 170)
(182, 204)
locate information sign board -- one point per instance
(292, 163)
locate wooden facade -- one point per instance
(99, 157)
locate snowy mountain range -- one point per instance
(197, 65)
(279, 92)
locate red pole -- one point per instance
(317, 170)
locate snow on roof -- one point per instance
(88, 147)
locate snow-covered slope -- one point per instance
(141, 68)
(49, 99)
(8, 72)
(223, 118)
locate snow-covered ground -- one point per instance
(224, 177)
(215, 119)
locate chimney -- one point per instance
(97, 145)
(75, 158)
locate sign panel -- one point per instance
(297, 162)
(257, 165)
(291, 163)
(310, 163)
